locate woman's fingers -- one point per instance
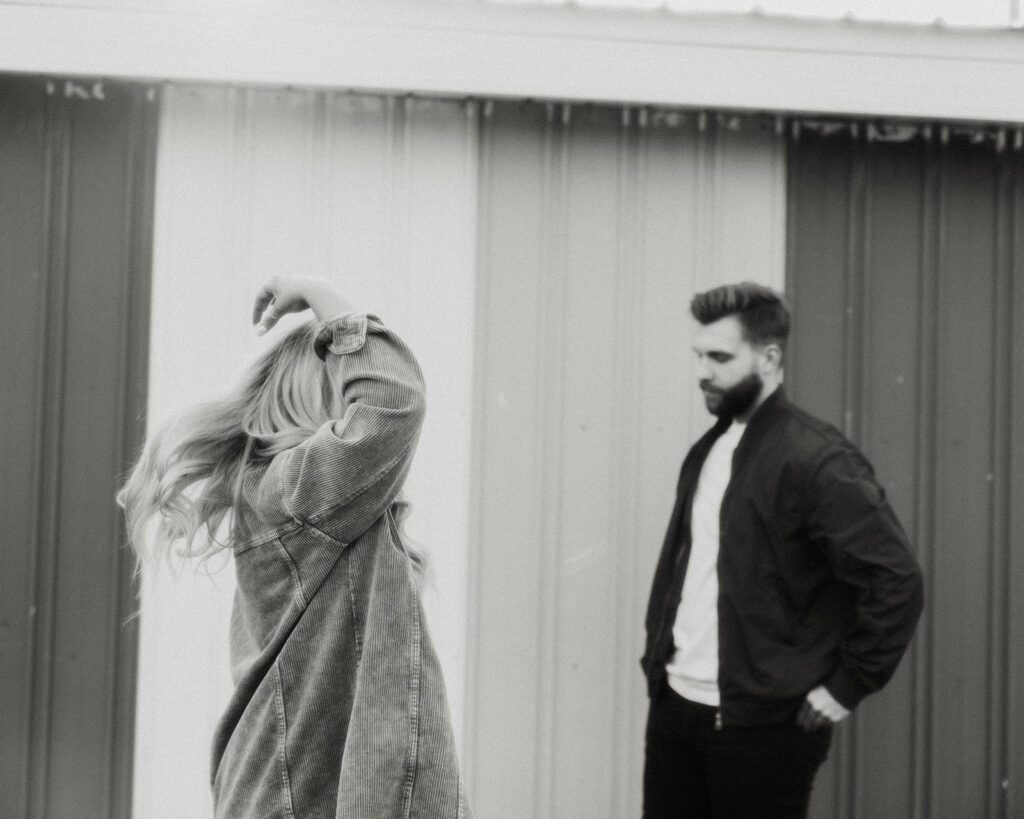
(264, 298)
(279, 296)
(267, 320)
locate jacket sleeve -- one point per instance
(871, 557)
(345, 475)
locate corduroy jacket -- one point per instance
(339, 707)
(817, 583)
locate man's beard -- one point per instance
(735, 400)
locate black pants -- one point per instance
(693, 771)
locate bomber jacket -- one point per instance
(339, 706)
(817, 583)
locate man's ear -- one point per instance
(771, 359)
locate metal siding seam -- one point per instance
(704, 269)
(479, 433)
(37, 478)
(317, 179)
(924, 509)
(717, 139)
(934, 782)
(133, 345)
(52, 330)
(557, 148)
(400, 205)
(17, 781)
(239, 154)
(854, 298)
(852, 382)
(1002, 344)
(626, 378)
(1014, 773)
(778, 210)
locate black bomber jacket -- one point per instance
(817, 583)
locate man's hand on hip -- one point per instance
(820, 709)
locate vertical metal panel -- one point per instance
(1012, 492)
(75, 165)
(376, 193)
(23, 209)
(903, 279)
(597, 225)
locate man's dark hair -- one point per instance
(761, 311)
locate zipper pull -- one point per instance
(718, 721)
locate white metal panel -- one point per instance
(562, 52)
(379, 195)
(597, 226)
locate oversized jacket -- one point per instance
(339, 707)
(817, 583)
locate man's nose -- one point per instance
(703, 370)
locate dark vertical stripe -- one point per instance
(923, 527)
(930, 360)
(1002, 412)
(136, 292)
(80, 270)
(57, 127)
(1013, 674)
(23, 207)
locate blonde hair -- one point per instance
(190, 474)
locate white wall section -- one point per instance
(597, 227)
(377, 194)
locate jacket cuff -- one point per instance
(340, 335)
(845, 689)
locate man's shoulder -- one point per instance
(807, 435)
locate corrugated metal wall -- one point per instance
(906, 268)
(75, 205)
(376, 193)
(597, 225)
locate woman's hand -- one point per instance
(293, 294)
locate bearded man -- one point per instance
(785, 593)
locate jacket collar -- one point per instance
(772, 406)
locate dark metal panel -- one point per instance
(93, 172)
(1012, 772)
(928, 299)
(22, 261)
(963, 548)
(890, 344)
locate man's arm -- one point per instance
(870, 554)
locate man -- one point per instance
(785, 593)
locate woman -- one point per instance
(339, 707)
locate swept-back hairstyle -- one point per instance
(761, 311)
(190, 473)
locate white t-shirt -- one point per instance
(693, 669)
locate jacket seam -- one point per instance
(275, 534)
(353, 602)
(412, 758)
(294, 572)
(315, 520)
(282, 724)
